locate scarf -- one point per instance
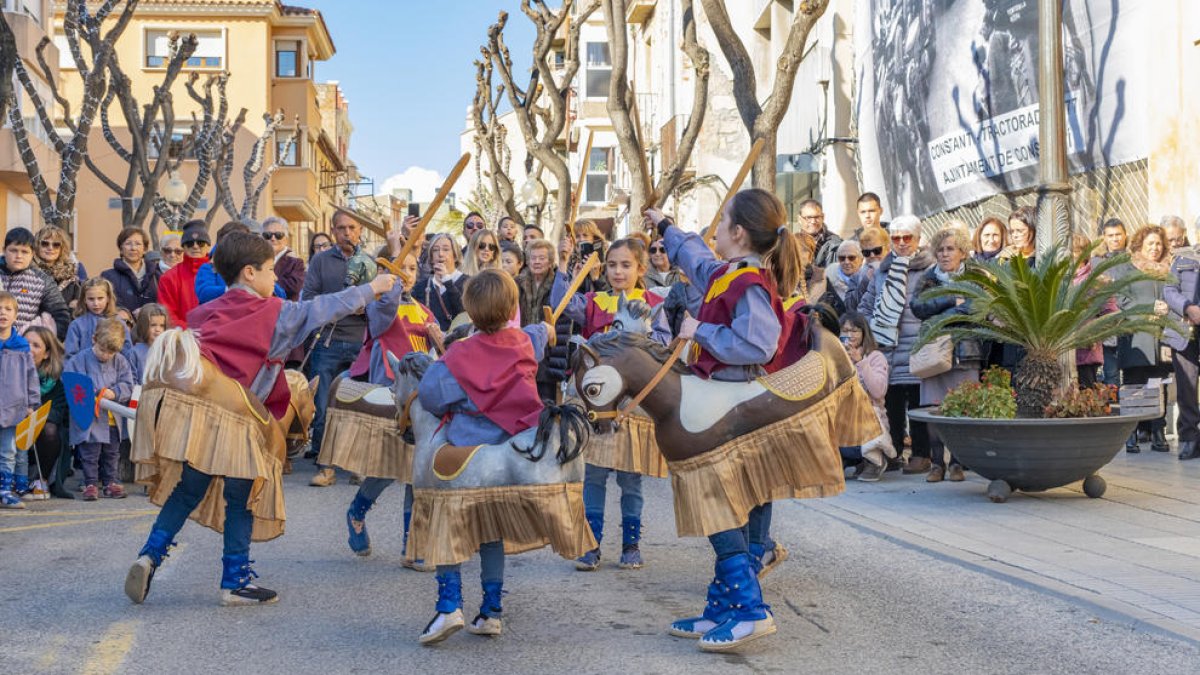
(945, 277)
(1159, 269)
(64, 270)
(986, 256)
(889, 305)
(46, 383)
(840, 282)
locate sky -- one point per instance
(407, 70)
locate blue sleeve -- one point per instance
(122, 389)
(81, 272)
(660, 328)
(298, 319)
(209, 284)
(439, 391)
(279, 292)
(382, 312)
(694, 258)
(577, 307)
(312, 278)
(539, 335)
(751, 338)
(75, 341)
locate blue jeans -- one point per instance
(595, 487)
(491, 563)
(8, 449)
(1112, 367)
(328, 361)
(186, 496)
(372, 487)
(757, 531)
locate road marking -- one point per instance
(30, 514)
(109, 653)
(65, 523)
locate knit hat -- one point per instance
(195, 232)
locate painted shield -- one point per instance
(31, 427)
(81, 398)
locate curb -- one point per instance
(1114, 611)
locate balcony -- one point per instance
(294, 194)
(639, 11)
(12, 169)
(296, 97)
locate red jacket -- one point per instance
(177, 289)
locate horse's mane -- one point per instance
(613, 343)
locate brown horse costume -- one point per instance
(732, 446)
(363, 433)
(190, 412)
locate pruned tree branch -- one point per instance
(491, 137)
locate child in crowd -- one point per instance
(18, 398)
(872, 368)
(47, 353)
(737, 334)
(512, 258)
(152, 320)
(485, 387)
(99, 443)
(624, 269)
(99, 303)
(246, 332)
(398, 324)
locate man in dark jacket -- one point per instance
(1182, 300)
(337, 344)
(37, 295)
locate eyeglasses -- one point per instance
(324, 246)
(196, 244)
(810, 219)
(658, 249)
(902, 238)
(273, 235)
(473, 225)
(172, 251)
(51, 244)
(847, 258)
(489, 247)
(878, 250)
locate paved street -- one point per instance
(850, 599)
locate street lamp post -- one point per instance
(1054, 189)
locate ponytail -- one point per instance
(786, 264)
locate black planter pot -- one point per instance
(1033, 454)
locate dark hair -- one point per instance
(19, 236)
(474, 214)
(990, 220)
(129, 232)
(1027, 215)
(824, 314)
(510, 247)
(1139, 238)
(229, 228)
(312, 242)
(502, 219)
(860, 322)
(141, 328)
(237, 250)
(870, 197)
(534, 226)
(641, 255)
(490, 298)
(764, 219)
(1113, 222)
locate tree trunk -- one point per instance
(1035, 382)
(8, 60)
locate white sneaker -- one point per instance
(137, 581)
(485, 625)
(37, 492)
(441, 627)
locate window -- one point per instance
(558, 59)
(180, 146)
(210, 50)
(65, 60)
(287, 58)
(596, 190)
(31, 7)
(599, 70)
(287, 151)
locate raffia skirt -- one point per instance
(631, 448)
(369, 445)
(449, 526)
(794, 458)
(174, 429)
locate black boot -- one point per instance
(1158, 441)
(1188, 450)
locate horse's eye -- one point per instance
(592, 390)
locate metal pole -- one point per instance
(1054, 190)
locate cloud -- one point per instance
(423, 182)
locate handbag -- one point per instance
(935, 358)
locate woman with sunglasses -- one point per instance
(289, 268)
(874, 243)
(53, 256)
(841, 280)
(662, 274)
(170, 251)
(482, 253)
(177, 288)
(887, 306)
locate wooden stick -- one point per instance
(590, 264)
(711, 233)
(419, 231)
(580, 187)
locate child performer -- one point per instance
(99, 303)
(624, 269)
(18, 398)
(485, 387)
(736, 334)
(246, 333)
(398, 324)
(99, 445)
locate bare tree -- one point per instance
(541, 108)
(8, 60)
(79, 26)
(621, 103)
(762, 119)
(491, 139)
(255, 163)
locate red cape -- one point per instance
(497, 373)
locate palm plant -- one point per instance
(1042, 309)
